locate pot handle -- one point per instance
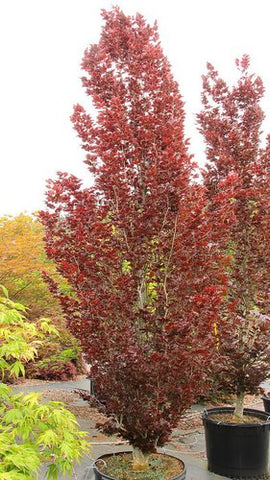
(205, 413)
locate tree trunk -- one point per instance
(140, 460)
(239, 406)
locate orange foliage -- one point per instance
(22, 260)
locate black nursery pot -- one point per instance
(237, 450)
(266, 403)
(101, 476)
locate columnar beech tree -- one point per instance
(237, 178)
(136, 246)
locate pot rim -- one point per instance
(206, 416)
(265, 396)
(101, 457)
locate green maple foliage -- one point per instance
(31, 432)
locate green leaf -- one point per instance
(17, 368)
(52, 472)
(13, 416)
(4, 290)
(49, 438)
(32, 398)
(5, 391)
(13, 475)
(46, 327)
(126, 266)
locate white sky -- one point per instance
(42, 44)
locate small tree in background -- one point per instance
(22, 260)
(237, 178)
(136, 246)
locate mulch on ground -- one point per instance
(186, 438)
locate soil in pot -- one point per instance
(227, 417)
(119, 467)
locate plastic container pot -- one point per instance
(237, 450)
(266, 403)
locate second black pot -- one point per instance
(238, 450)
(266, 403)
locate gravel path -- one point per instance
(187, 440)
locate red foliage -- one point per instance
(52, 370)
(136, 247)
(237, 178)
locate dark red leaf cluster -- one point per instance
(52, 370)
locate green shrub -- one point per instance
(58, 357)
(31, 432)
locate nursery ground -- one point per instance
(187, 441)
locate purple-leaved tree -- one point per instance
(136, 247)
(237, 178)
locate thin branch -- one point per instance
(167, 266)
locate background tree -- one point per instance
(22, 261)
(136, 247)
(237, 178)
